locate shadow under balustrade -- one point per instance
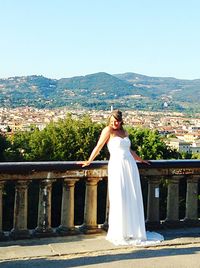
(167, 185)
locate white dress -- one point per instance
(126, 213)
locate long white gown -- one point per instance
(126, 212)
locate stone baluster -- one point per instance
(20, 211)
(172, 218)
(67, 210)
(191, 214)
(43, 228)
(2, 236)
(105, 224)
(153, 216)
(90, 210)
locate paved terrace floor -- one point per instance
(181, 248)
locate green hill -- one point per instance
(100, 90)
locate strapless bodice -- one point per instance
(119, 146)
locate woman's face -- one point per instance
(114, 123)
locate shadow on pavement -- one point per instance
(44, 240)
(167, 233)
(60, 262)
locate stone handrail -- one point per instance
(23, 173)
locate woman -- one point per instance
(126, 213)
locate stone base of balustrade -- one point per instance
(191, 223)
(104, 226)
(3, 237)
(19, 234)
(40, 232)
(64, 231)
(86, 229)
(173, 223)
(152, 225)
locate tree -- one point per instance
(196, 156)
(150, 145)
(74, 140)
(4, 144)
(67, 139)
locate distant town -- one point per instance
(183, 132)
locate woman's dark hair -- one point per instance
(117, 114)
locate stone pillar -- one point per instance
(153, 215)
(105, 225)
(44, 210)
(67, 210)
(20, 211)
(172, 219)
(191, 214)
(2, 236)
(90, 210)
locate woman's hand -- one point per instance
(138, 158)
(145, 162)
(84, 163)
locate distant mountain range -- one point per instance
(100, 91)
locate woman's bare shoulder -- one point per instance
(107, 130)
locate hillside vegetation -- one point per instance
(100, 91)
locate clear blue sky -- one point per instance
(61, 38)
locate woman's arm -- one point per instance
(138, 158)
(105, 135)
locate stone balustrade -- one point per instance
(161, 174)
